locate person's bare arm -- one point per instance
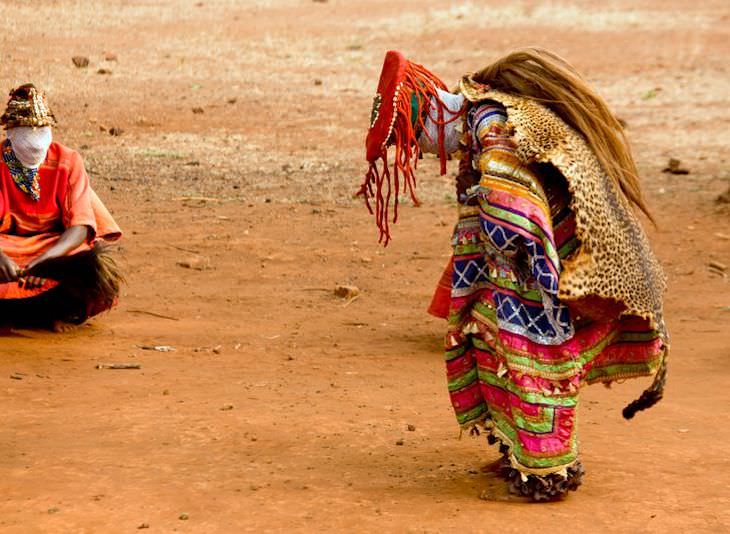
(69, 241)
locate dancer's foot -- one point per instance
(545, 488)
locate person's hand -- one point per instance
(71, 238)
(8, 269)
(28, 281)
(31, 282)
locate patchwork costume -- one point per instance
(36, 206)
(552, 284)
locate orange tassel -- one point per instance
(423, 84)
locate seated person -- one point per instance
(54, 270)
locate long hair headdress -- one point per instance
(547, 78)
(401, 105)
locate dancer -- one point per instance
(552, 284)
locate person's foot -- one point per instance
(61, 327)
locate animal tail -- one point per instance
(653, 393)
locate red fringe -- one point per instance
(421, 82)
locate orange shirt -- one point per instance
(28, 228)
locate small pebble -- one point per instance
(197, 263)
(80, 61)
(673, 167)
(184, 517)
(724, 198)
(346, 292)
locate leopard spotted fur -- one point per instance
(615, 260)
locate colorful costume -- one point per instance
(552, 286)
(36, 207)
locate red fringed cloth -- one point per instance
(400, 108)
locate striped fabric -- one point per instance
(515, 356)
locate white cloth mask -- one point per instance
(30, 144)
(452, 130)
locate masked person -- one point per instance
(54, 271)
(552, 284)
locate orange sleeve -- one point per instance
(77, 208)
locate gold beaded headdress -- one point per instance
(27, 106)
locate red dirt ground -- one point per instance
(282, 406)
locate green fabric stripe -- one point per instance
(482, 345)
(562, 367)
(547, 415)
(527, 396)
(455, 384)
(527, 225)
(651, 335)
(622, 369)
(474, 413)
(527, 294)
(507, 429)
(486, 311)
(568, 247)
(589, 354)
(527, 362)
(455, 353)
